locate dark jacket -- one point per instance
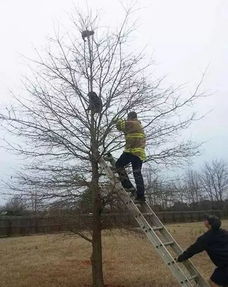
(215, 243)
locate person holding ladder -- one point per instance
(215, 243)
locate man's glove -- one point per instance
(181, 258)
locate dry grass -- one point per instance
(63, 260)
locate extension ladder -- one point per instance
(165, 245)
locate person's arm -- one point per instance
(121, 125)
(195, 248)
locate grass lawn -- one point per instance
(63, 260)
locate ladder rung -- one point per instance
(140, 214)
(192, 277)
(158, 228)
(168, 243)
(165, 244)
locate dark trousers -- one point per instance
(136, 163)
(220, 276)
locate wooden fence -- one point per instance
(24, 225)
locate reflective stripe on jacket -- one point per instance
(134, 136)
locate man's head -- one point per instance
(132, 116)
(212, 222)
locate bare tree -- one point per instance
(214, 178)
(162, 192)
(65, 140)
(193, 187)
(16, 205)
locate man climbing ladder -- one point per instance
(134, 153)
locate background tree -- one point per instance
(214, 179)
(15, 206)
(193, 186)
(65, 140)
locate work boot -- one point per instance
(140, 199)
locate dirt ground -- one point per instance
(63, 260)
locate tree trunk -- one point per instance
(96, 258)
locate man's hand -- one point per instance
(181, 258)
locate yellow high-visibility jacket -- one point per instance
(134, 136)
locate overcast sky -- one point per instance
(184, 38)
